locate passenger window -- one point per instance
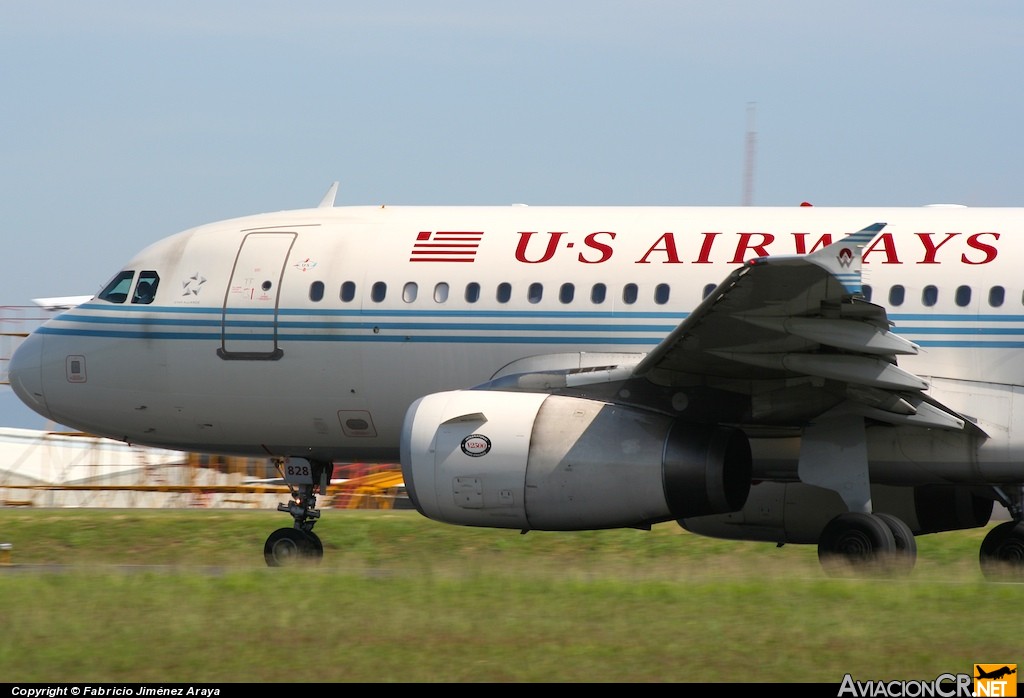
(661, 293)
(930, 295)
(348, 291)
(535, 293)
(629, 294)
(996, 296)
(566, 293)
(472, 292)
(865, 291)
(378, 292)
(708, 289)
(117, 290)
(504, 292)
(409, 292)
(145, 291)
(896, 295)
(598, 293)
(316, 291)
(963, 296)
(441, 292)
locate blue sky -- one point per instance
(123, 122)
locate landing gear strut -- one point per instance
(291, 546)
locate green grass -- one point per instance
(177, 595)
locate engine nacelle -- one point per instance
(555, 463)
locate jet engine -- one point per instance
(549, 462)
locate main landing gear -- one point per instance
(1002, 551)
(297, 545)
(833, 455)
(856, 543)
(861, 543)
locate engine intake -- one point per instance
(556, 463)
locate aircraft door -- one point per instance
(249, 322)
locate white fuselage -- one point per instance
(309, 333)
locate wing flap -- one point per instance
(847, 368)
(849, 335)
(784, 339)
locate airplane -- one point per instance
(845, 377)
(996, 674)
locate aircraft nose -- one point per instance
(25, 373)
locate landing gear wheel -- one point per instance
(856, 543)
(287, 547)
(1002, 552)
(316, 551)
(905, 556)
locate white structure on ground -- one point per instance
(57, 469)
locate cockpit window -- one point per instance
(145, 291)
(117, 290)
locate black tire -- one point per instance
(1002, 552)
(856, 543)
(316, 549)
(287, 547)
(904, 557)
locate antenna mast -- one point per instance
(748, 170)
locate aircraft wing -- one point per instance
(790, 337)
(61, 302)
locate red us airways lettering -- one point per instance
(975, 248)
(848, 378)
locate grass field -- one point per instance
(185, 596)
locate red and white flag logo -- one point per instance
(445, 246)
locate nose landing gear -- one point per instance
(287, 547)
